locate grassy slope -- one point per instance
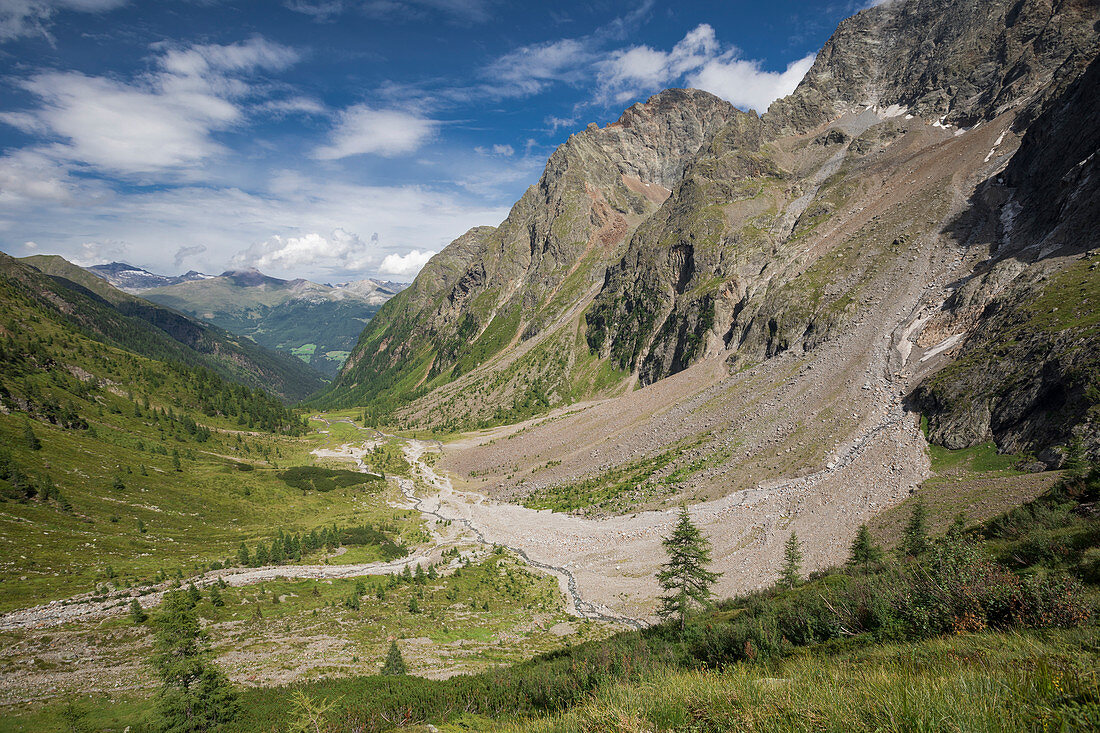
(274, 318)
(121, 469)
(138, 325)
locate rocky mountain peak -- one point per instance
(653, 141)
(956, 61)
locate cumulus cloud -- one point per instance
(361, 130)
(33, 17)
(621, 75)
(698, 60)
(744, 84)
(162, 121)
(340, 248)
(406, 265)
(641, 68)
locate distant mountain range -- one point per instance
(318, 323)
(107, 314)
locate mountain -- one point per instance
(135, 279)
(925, 186)
(318, 324)
(92, 304)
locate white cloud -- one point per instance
(29, 17)
(406, 265)
(528, 70)
(503, 151)
(160, 122)
(300, 226)
(641, 68)
(743, 83)
(341, 248)
(361, 130)
(700, 61)
(95, 253)
(27, 176)
(293, 105)
(621, 75)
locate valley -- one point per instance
(737, 421)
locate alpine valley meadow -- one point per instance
(780, 421)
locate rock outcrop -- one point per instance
(688, 230)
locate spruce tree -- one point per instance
(915, 541)
(790, 575)
(216, 599)
(31, 439)
(864, 549)
(684, 579)
(194, 694)
(137, 613)
(395, 664)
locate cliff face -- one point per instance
(494, 286)
(962, 62)
(688, 230)
(1029, 374)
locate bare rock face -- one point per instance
(688, 230)
(493, 285)
(962, 62)
(1029, 375)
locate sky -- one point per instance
(336, 139)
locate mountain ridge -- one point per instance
(727, 261)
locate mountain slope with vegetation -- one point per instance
(134, 324)
(318, 324)
(772, 234)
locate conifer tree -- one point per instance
(31, 439)
(864, 549)
(137, 613)
(216, 599)
(194, 695)
(915, 541)
(395, 664)
(790, 575)
(684, 579)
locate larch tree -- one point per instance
(791, 574)
(864, 549)
(685, 580)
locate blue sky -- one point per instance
(335, 139)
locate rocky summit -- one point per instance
(931, 174)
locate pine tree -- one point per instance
(31, 439)
(915, 541)
(864, 549)
(194, 594)
(395, 664)
(194, 695)
(243, 556)
(414, 607)
(684, 579)
(137, 613)
(216, 599)
(790, 575)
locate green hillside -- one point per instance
(106, 313)
(317, 324)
